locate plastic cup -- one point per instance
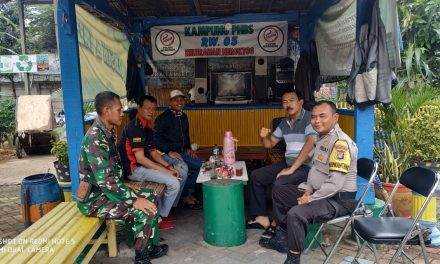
(239, 171)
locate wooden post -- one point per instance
(111, 239)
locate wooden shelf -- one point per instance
(243, 153)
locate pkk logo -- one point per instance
(167, 42)
(271, 38)
(24, 63)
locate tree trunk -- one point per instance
(14, 93)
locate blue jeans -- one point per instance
(194, 165)
(174, 185)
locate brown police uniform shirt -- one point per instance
(334, 167)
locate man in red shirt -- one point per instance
(142, 162)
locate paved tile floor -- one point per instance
(187, 245)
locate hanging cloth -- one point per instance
(371, 75)
(134, 83)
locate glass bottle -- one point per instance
(216, 151)
(269, 93)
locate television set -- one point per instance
(231, 87)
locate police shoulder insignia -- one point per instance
(137, 139)
(340, 157)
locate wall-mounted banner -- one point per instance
(19, 63)
(35, 64)
(217, 40)
(103, 53)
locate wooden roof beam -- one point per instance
(267, 5)
(197, 7)
(162, 9)
(195, 4)
(121, 6)
(237, 6)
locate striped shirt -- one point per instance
(295, 136)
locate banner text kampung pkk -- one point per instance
(195, 41)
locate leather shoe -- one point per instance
(292, 258)
(142, 257)
(158, 251)
(277, 242)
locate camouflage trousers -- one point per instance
(140, 222)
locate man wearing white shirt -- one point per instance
(300, 138)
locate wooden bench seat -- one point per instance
(61, 235)
(58, 237)
(242, 153)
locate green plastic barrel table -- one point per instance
(223, 213)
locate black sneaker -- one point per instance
(292, 258)
(277, 242)
(158, 251)
(142, 257)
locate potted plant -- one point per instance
(391, 149)
(399, 133)
(59, 150)
(392, 161)
(422, 139)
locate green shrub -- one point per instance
(59, 150)
(391, 163)
(7, 117)
(422, 136)
(401, 128)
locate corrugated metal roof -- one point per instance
(217, 8)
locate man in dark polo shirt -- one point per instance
(171, 136)
(142, 162)
(300, 137)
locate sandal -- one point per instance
(200, 202)
(194, 206)
(269, 232)
(254, 225)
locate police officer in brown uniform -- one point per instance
(330, 189)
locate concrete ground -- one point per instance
(14, 170)
(186, 240)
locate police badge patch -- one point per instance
(340, 151)
(340, 157)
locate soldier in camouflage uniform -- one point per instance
(100, 165)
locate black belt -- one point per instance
(345, 195)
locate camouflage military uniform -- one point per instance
(110, 198)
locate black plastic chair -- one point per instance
(277, 153)
(367, 169)
(398, 230)
(275, 123)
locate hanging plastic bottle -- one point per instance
(216, 151)
(229, 148)
(269, 93)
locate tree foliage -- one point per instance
(394, 146)
(40, 30)
(420, 24)
(9, 29)
(7, 117)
